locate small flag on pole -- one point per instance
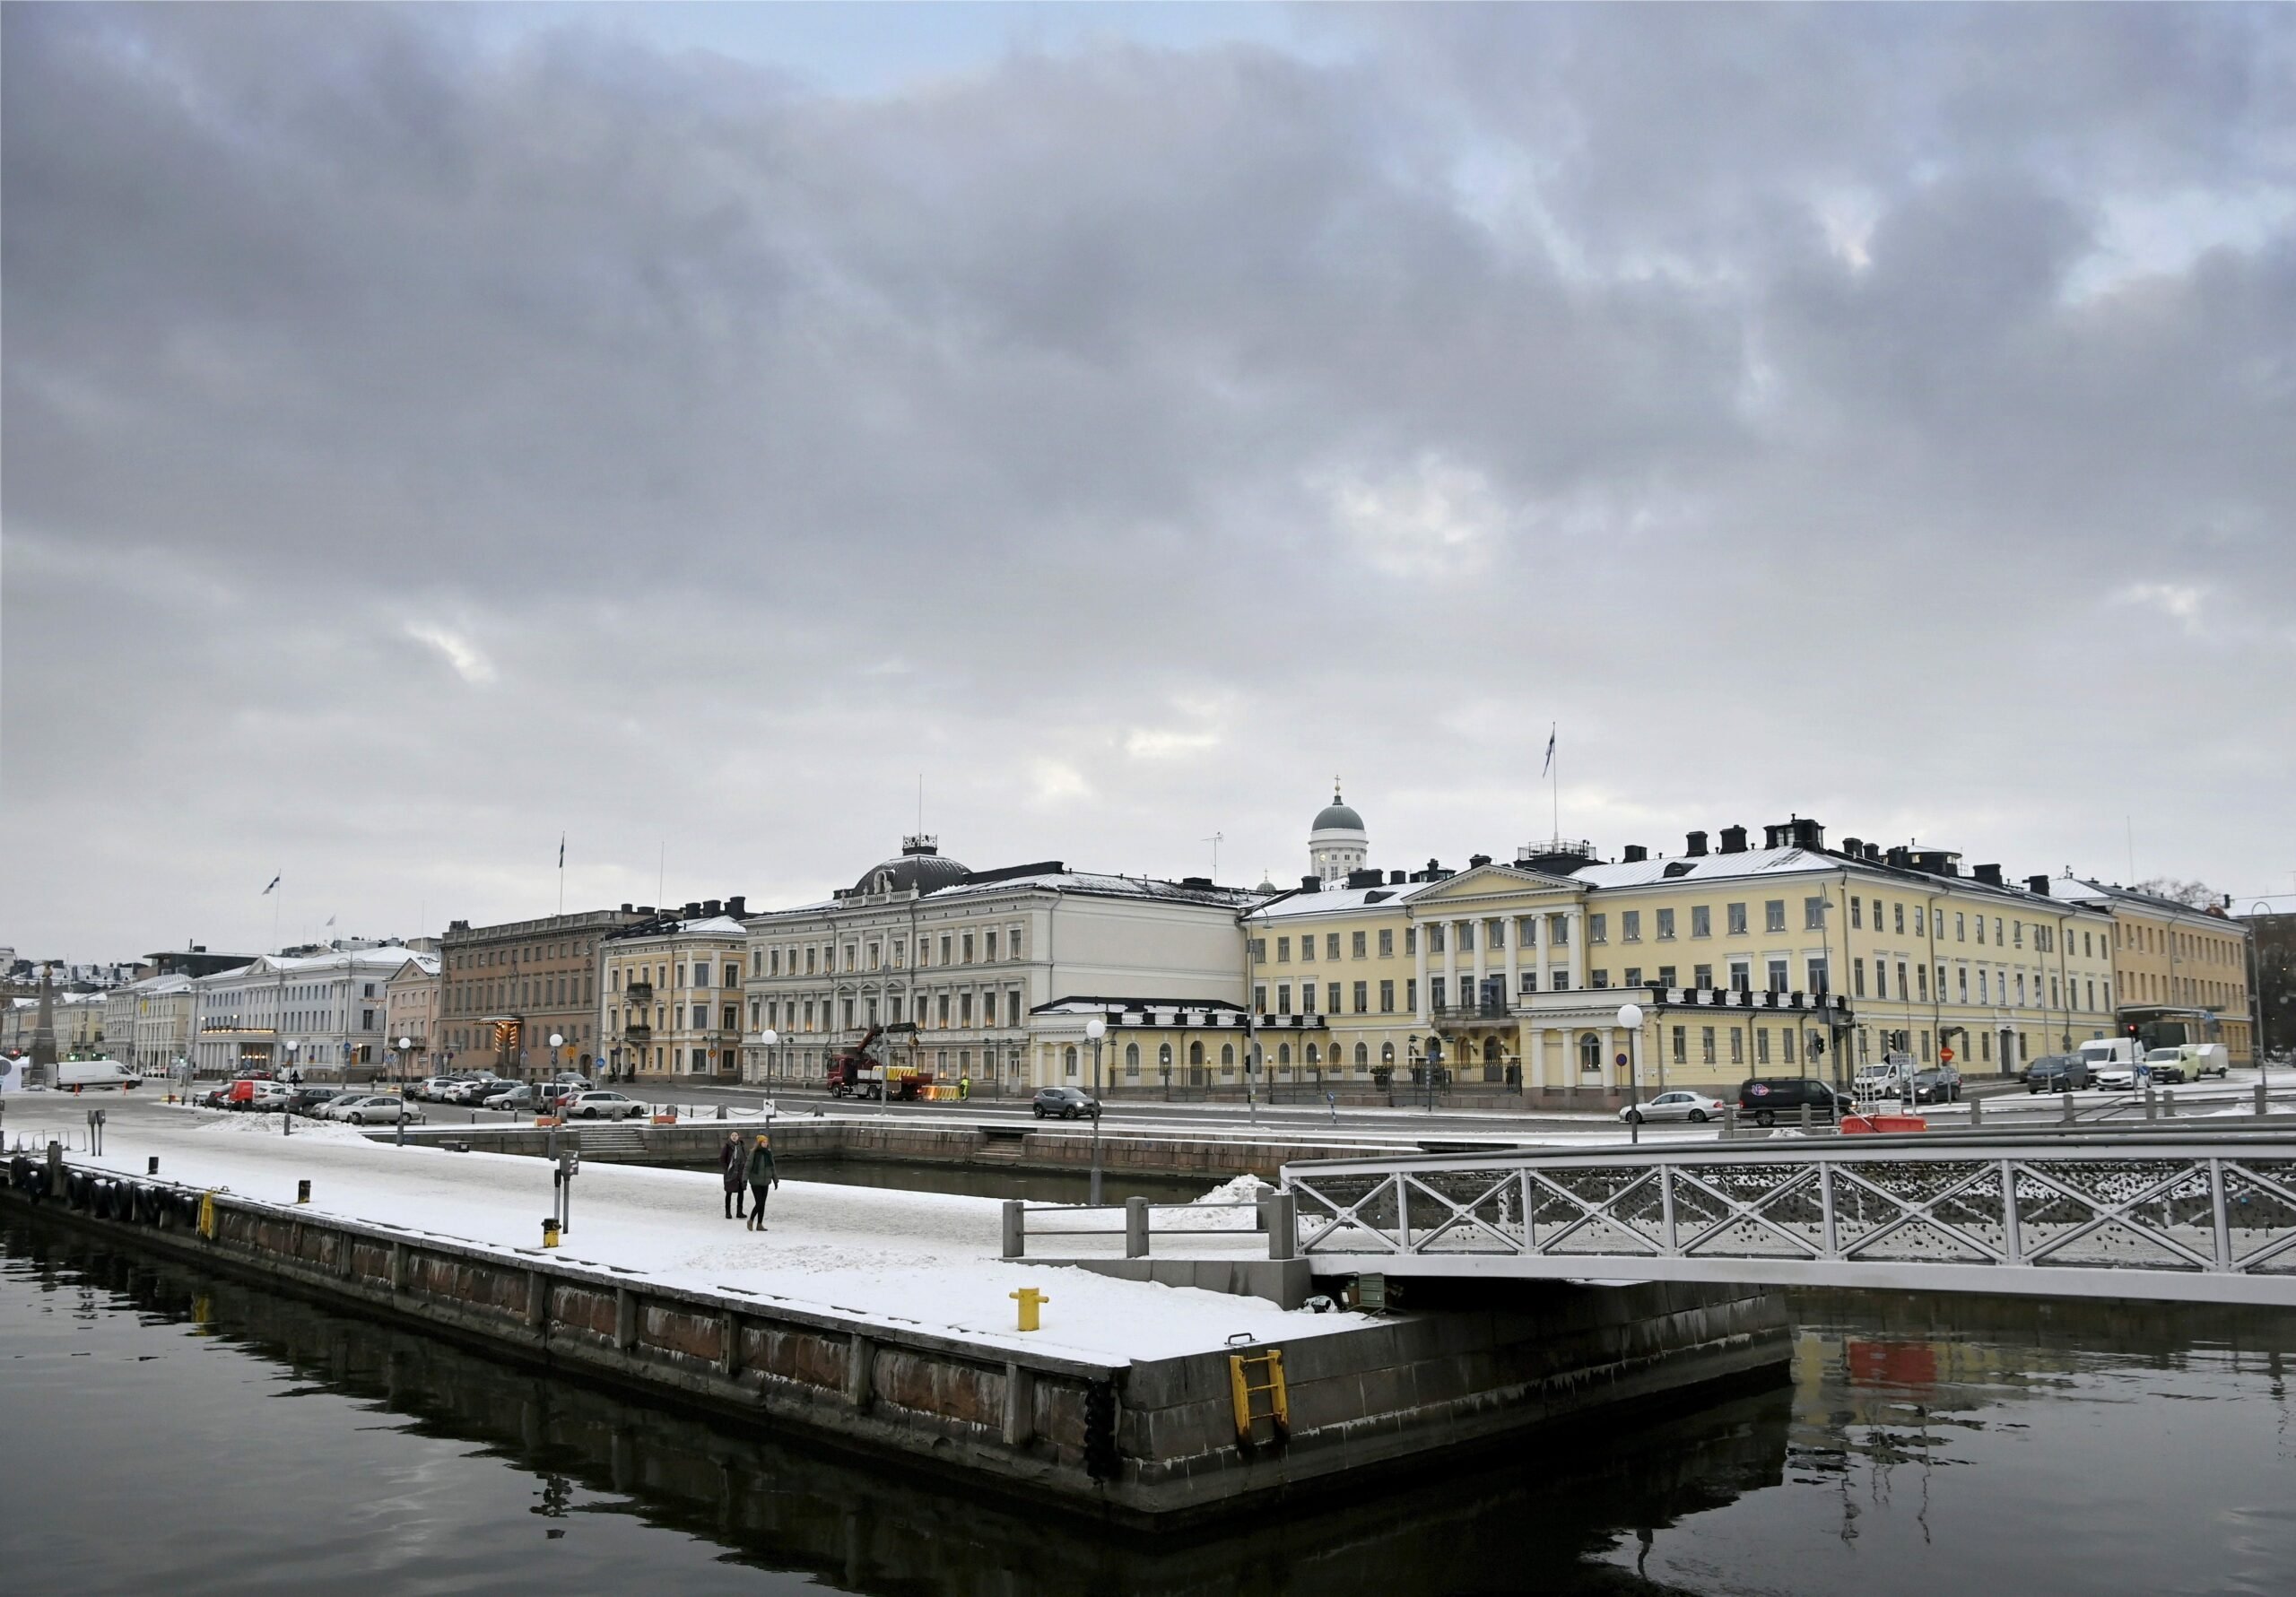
(330, 920)
(562, 851)
(275, 882)
(1549, 753)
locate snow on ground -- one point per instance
(928, 1260)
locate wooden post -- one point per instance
(625, 1319)
(860, 1372)
(1020, 1406)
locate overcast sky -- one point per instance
(430, 431)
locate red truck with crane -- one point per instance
(867, 1069)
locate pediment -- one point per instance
(1481, 882)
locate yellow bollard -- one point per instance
(549, 1232)
(302, 1192)
(1031, 1300)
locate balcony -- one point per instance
(1473, 1014)
(638, 993)
(638, 1031)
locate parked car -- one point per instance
(2118, 1077)
(1938, 1084)
(603, 1105)
(1065, 1103)
(2166, 1066)
(430, 1090)
(256, 1095)
(517, 1097)
(1767, 1098)
(311, 1101)
(365, 1109)
(471, 1090)
(2058, 1073)
(1673, 1106)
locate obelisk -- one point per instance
(41, 1071)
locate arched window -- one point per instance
(1228, 1058)
(1387, 1053)
(1283, 1055)
(1068, 1058)
(1132, 1059)
(1314, 1058)
(1164, 1058)
(1591, 1052)
(1491, 1050)
(1362, 1056)
(1195, 1055)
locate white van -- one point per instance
(89, 1075)
(2109, 1050)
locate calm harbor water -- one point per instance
(170, 1431)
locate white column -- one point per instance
(1535, 1067)
(1611, 1073)
(1481, 962)
(1577, 950)
(1420, 942)
(1513, 961)
(1452, 962)
(1539, 949)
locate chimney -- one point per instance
(1475, 862)
(2038, 886)
(1636, 853)
(1855, 848)
(1696, 844)
(1988, 874)
(1395, 878)
(1734, 839)
(737, 906)
(713, 907)
(1807, 834)
(1311, 884)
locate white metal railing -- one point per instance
(2130, 1213)
(1133, 1223)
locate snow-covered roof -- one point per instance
(427, 964)
(1333, 900)
(1092, 884)
(1708, 867)
(708, 926)
(2076, 890)
(385, 959)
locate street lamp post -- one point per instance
(1096, 1029)
(769, 1039)
(1630, 1019)
(405, 1048)
(1434, 1062)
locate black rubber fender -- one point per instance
(147, 1206)
(188, 1209)
(79, 1187)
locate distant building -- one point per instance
(319, 1015)
(410, 1016)
(506, 990)
(981, 972)
(2181, 972)
(672, 995)
(194, 961)
(148, 1023)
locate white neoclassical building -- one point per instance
(321, 1015)
(976, 972)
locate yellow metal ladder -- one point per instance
(1277, 1409)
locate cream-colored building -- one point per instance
(1788, 958)
(672, 991)
(2181, 972)
(317, 1015)
(410, 1016)
(147, 1023)
(977, 974)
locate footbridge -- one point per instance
(2181, 1214)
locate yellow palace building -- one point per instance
(1792, 957)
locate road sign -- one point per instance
(1622, 1059)
(1944, 1056)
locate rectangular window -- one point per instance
(1701, 975)
(1790, 1036)
(1558, 931)
(1362, 998)
(1762, 1045)
(1742, 975)
(1666, 925)
(1963, 985)
(1780, 981)
(1387, 998)
(1259, 1000)
(1813, 915)
(1857, 913)
(1858, 978)
(1737, 1046)
(1773, 914)
(1435, 992)
(1961, 927)
(1634, 976)
(1307, 946)
(1629, 925)
(944, 948)
(1466, 937)
(1386, 943)
(1681, 1044)
(1411, 940)
(1737, 919)
(1530, 980)
(1259, 951)
(1817, 969)
(1357, 944)
(1666, 975)
(1897, 918)
(1706, 1044)
(1411, 993)
(1331, 946)
(1980, 929)
(1921, 971)
(988, 946)
(1331, 995)
(1283, 999)
(1598, 928)
(1497, 933)
(1701, 921)
(1283, 950)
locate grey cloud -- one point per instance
(686, 398)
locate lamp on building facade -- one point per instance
(1096, 1029)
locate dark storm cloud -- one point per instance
(648, 445)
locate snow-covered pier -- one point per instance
(882, 1320)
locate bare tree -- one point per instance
(2199, 895)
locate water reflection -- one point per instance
(1922, 1442)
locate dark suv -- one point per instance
(1065, 1103)
(2058, 1073)
(1767, 1098)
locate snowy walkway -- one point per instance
(928, 1260)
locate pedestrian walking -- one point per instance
(733, 1159)
(762, 1178)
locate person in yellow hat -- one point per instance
(762, 1179)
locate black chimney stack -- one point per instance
(1697, 843)
(1636, 853)
(1734, 839)
(2038, 886)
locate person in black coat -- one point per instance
(733, 1159)
(762, 1179)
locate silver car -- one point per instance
(1673, 1106)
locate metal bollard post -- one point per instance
(151, 1166)
(1135, 1227)
(2168, 1103)
(1805, 1117)
(1016, 1230)
(1729, 1122)
(2068, 1107)
(2260, 1099)
(1976, 1112)
(2150, 1111)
